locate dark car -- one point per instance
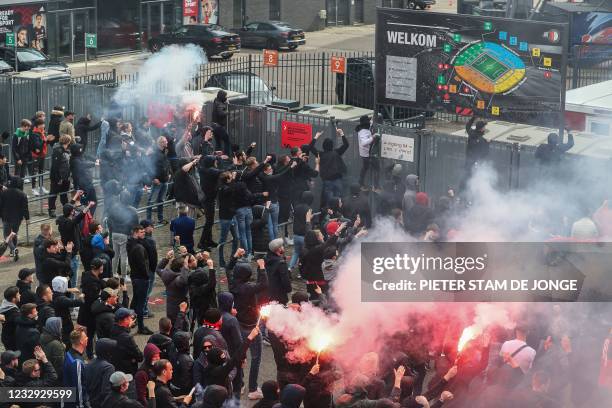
(213, 40)
(258, 90)
(5, 67)
(272, 35)
(420, 4)
(29, 58)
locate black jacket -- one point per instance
(117, 400)
(48, 377)
(70, 230)
(28, 337)
(98, 373)
(122, 218)
(25, 290)
(39, 253)
(21, 147)
(62, 305)
(45, 311)
(273, 182)
(91, 286)
(419, 217)
(259, 229)
(82, 172)
(202, 294)
(164, 397)
(209, 177)
(230, 328)
(242, 196)
(312, 258)
(161, 166)
(279, 279)
(14, 205)
(55, 265)
(127, 354)
(187, 189)
(217, 372)
(151, 247)
(138, 259)
(331, 165)
(104, 316)
(201, 333)
(54, 123)
(302, 174)
(551, 152)
(182, 363)
(219, 114)
(227, 206)
(477, 148)
(60, 164)
(4, 175)
(246, 293)
(83, 127)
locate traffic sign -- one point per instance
(338, 65)
(270, 58)
(10, 39)
(91, 40)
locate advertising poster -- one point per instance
(210, 12)
(28, 22)
(491, 67)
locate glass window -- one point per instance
(252, 26)
(119, 25)
(30, 55)
(600, 128)
(264, 27)
(4, 65)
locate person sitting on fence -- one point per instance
(551, 152)
(38, 144)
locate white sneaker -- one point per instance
(35, 192)
(26, 181)
(128, 279)
(44, 191)
(255, 395)
(288, 241)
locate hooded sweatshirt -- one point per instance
(299, 217)
(230, 328)
(291, 396)
(409, 195)
(51, 343)
(182, 362)
(201, 362)
(145, 373)
(246, 293)
(214, 396)
(98, 372)
(21, 145)
(11, 313)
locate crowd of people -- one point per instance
(62, 329)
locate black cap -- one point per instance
(97, 263)
(25, 272)
(9, 356)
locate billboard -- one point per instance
(492, 67)
(28, 22)
(592, 28)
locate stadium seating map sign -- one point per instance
(500, 68)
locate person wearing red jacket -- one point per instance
(38, 144)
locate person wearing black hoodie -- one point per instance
(279, 277)
(220, 109)
(202, 286)
(551, 152)
(302, 174)
(211, 326)
(27, 331)
(270, 392)
(259, 228)
(291, 396)
(182, 362)
(24, 283)
(91, 287)
(356, 204)
(209, 180)
(60, 173)
(246, 302)
(419, 216)
(187, 190)
(302, 215)
(13, 209)
(214, 396)
(230, 328)
(312, 259)
(272, 184)
(138, 259)
(82, 173)
(332, 167)
(9, 309)
(98, 372)
(83, 127)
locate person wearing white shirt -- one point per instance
(524, 358)
(366, 139)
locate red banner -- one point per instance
(190, 8)
(295, 134)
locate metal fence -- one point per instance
(589, 64)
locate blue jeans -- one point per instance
(256, 349)
(227, 226)
(273, 221)
(140, 288)
(149, 291)
(136, 193)
(159, 192)
(244, 218)
(298, 245)
(74, 266)
(331, 188)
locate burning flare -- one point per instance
(320, 342)
(264, 311)
(468, 334)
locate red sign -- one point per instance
(190, 8)
(338, 65)
(270, 58)
(295, 134)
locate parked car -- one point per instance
(29, 58)
(213, 40)
(420, 4)
(260, 93)
(272, 35)
(5, 67)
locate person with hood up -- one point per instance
(187, 190)
(220, 365)
(63, 305)
(220, 109)
(302, 216)
(214, 396)
(83, 127)
(419, 216)
(145, 372)
(44, 297)
(412, 187)
(27, 331)
(211, 326)
(38, 146)
(270, 392)
(209, 180)
(291, 396)
(208, 343)
(13, 209)
(202, 286)
(174, 274)
(24, 283)
(477, 147)
(52, 345)
(332, 166)
(551, 152)
(259, 228)
(98, 372)
(246, 302)
(279, 277)
(182, 362)
(20, 146)
(103, 310)
(312, 259)
(10, 311)
(59, 174)
(57, 115)
(230, 330)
